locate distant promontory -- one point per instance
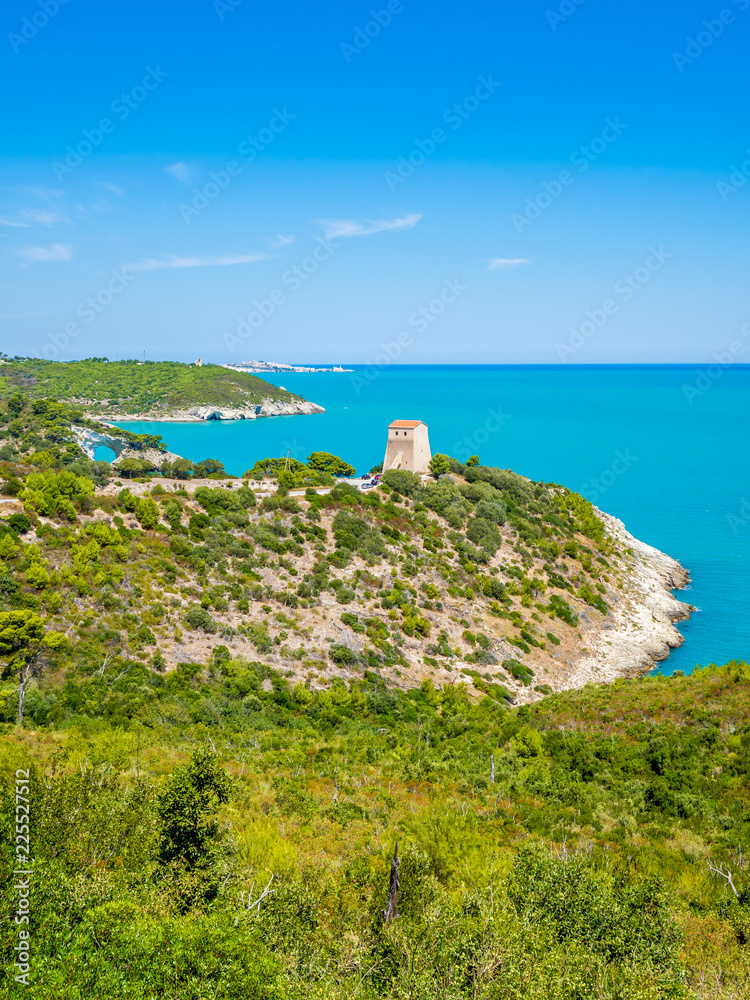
(151, 390)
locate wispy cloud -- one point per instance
(115, 190)
(282, 241)
(179, 170)
(43, 218)
(335, 228)
(57, 251)
(18, 225)
(507, 263)
(158, 264)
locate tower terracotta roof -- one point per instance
(406, 423)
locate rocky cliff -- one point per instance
(267, 408)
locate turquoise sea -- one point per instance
(664, 448)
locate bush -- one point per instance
(402, 481)
(623, 917)
(198, 618)
(219, 500)
(342, 655)
(444, 498)
(131, 468)
(491, 510)
(484, 534)
(519, 671)
(562, 610)
(440, 465)
(591, 597)
(324, 461)
(19, 523)
(51, 493)
(147, 513)
(503, 480)
(356, 535)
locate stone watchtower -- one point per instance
(408, 446)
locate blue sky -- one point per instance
(303, 182)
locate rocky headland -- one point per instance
(196, 414)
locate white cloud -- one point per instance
(507, 263)
(43, 218)
(282, 241)
(333, 229)
(158, 264)
(36, 254)
(179, 170)
(19, 225)
(115, 190)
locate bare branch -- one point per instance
(726, 873)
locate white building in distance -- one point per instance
(408, 446)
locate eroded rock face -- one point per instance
(89, 441)
(639, 631)
(268, 408)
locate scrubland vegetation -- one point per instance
(124, 387)
(222, 825)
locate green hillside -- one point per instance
(168, 803)
(226, 732)
(124, 387)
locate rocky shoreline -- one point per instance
(639, 632)
(198, 414)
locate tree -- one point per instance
(189, 827)
(324, 461)
(440, 465)
(19, 523)
(402, 481)
(23, 640)
(147, 513)
(209, 467)
(16, 405)
(472, 461)
(51, 493)
(181, 468)
(129, 468)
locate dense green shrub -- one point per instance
(402, 481)
(519, 670)
(341, 654)
(198, 618)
